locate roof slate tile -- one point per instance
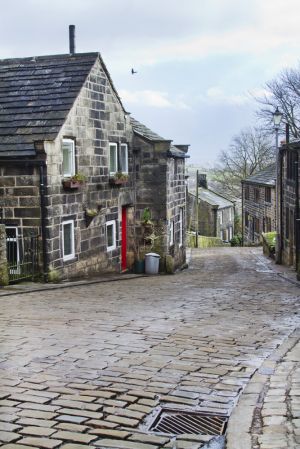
(36, 95)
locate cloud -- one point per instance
(254, 31)
(215, 94)
(152, 98)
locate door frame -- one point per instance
(124, 239)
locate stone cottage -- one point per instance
(75, 170)
(259, 204)
(215, 212)
(288, 232)
(160, 187)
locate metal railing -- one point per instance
(22, 257)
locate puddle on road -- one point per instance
(261, 267)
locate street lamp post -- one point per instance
(277, 117)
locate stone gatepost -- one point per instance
(3, 261)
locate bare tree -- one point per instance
(249, 152)
(282, 92)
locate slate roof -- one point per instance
(176, 152)
(143, 131)
(148, 134)
(264, 177)
(36, 95)
(213, 198)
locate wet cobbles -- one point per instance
(89, 365)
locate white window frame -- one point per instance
(118, 150)
(114, 227)
(124, 147)
(72, 254)
(221, 217)
(171, 232)
(15, 239)
(71, 154)
(115, 146)
(180, 226)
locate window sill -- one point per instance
(70, 260)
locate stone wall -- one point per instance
(176, 201)
(150, 171)
(96, 118)
(289, 207)
(19, 196)
(160, 186)
(3, 261)
(260, 210)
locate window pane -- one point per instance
(112, 158)
(110, 235)
(67, 230)
(171, 232)
(68, 158)
(11, 233)
(12, 252)
(123, 162)
(180, 226)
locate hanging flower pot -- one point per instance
(118, 179)
(74, 182)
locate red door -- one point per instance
(124, 239)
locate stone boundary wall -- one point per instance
(3, 261)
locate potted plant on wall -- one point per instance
(119, 178)
(90, 214)
(146, 217)
(73, 182)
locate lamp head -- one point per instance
(277, 117)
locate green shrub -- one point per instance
(236, 240)
(269, 243)
(53, 276)
(270, 238)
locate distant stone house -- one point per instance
(61, 116)
(259, 204)
(215, 213)
(288, 247)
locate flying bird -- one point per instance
(133, 72)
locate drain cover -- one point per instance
(177, 422)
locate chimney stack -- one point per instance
(72, 39)
(202, 180)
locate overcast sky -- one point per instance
(198, 61)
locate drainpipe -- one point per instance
(243, 230)
(43, 190)
(297, 218)
(197, 208)
(279, 201)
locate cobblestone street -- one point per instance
(90, 365)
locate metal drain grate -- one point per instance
(177, 422)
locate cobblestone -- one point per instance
(91, 362)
